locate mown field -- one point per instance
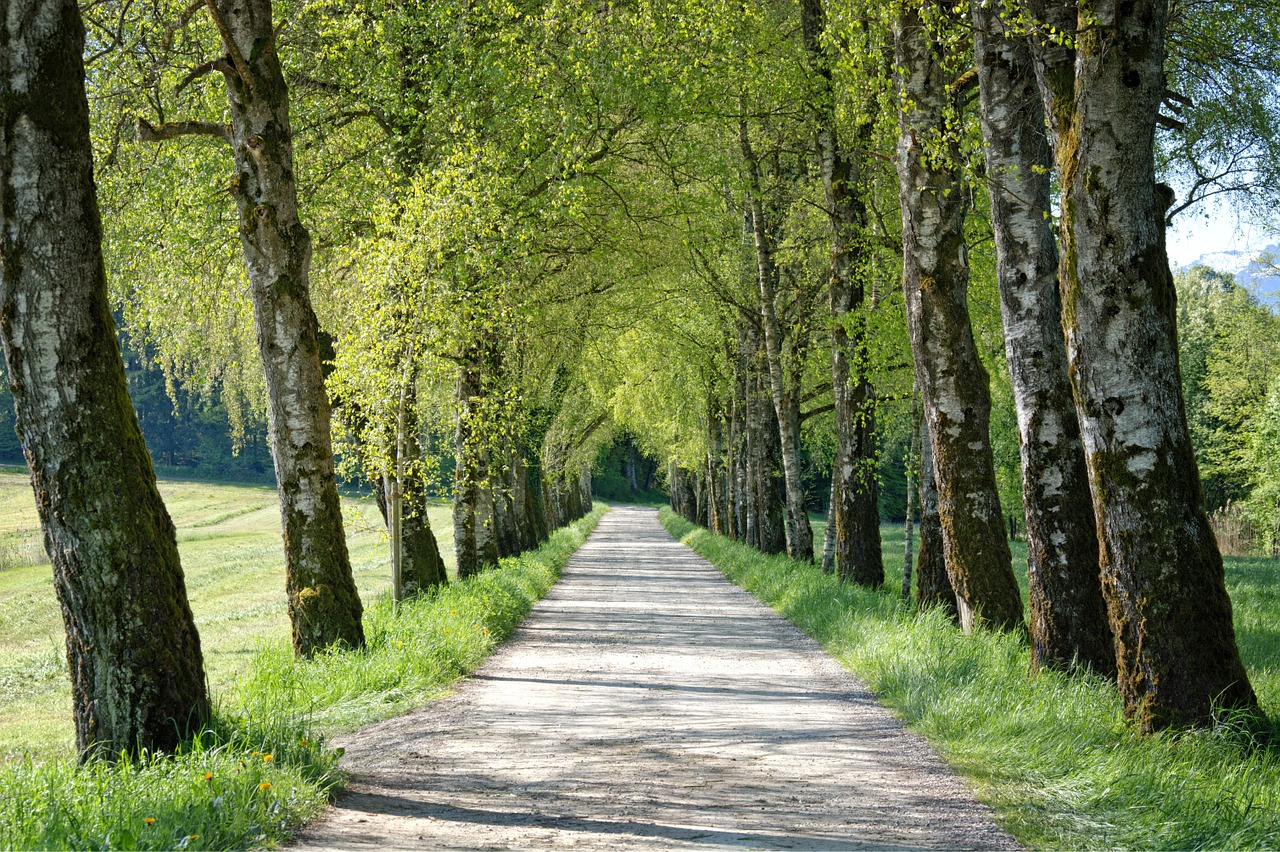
(229, 537)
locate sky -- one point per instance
(1215, 228)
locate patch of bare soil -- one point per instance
(647, 702)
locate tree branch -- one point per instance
(233, 49)
(964, 81)
(148, 132)
(822, 409)
(183, 19)
(816, 392)
(219, 64)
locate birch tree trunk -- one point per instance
(913, 451)
(535, 506)
(799, 535)
(421, 564)
(486, 519)
(393, 499)
(716, 485)
(133, 653)
(738, 446)
(1162, 574)
(768, 505)
(855, 513)
(954, 385)
(324, 606)
(828, 563)
(1068, 618)
(526, 525)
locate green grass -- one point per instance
(262, 767)
(1051, 753)
(233, 559)
(233, 787)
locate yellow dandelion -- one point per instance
(303, 742)
(267, 758)
(208, 776)
(265, 785)
(191, 837)
(254, 753)
(453, 612)
(149, 820)
(446, 630)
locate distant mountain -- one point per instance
(1249, 270)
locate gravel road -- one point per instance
(646, 702)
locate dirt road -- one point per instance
(647, 702)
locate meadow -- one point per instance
(1052, 754)
(233, 559)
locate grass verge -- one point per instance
(262, 768)
(1052, 754)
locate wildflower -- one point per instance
(208, 776)
(254, 753)
(453, 612)
(267, 758)
(303, 742)
(265, 785)
(149, 820)
(191, 837)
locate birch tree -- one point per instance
(1068, 619)
(324, 607)
(953, 383)
(854, 522)
(137, 674)
(1162, 574)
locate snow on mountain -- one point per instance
(1258, 270)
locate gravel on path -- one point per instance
(646, 702)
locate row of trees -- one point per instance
(529, 225)
(1125, 576)
(134, 654)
